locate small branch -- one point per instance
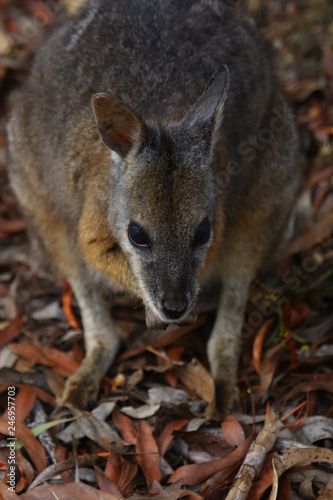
(252, 465)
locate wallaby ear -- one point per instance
(118, 126)
(207, 113)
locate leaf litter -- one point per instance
(152, 432)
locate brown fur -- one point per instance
(155, 153)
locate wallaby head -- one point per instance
(163, 205)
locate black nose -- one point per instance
(174, 308)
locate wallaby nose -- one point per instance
(174, 308)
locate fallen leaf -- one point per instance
(148, 457)
(257, 345)
(129, 470)
(60, 362)
(144, 411)
(125, 426)
(12, 226)
(232, 430)
(106, 485)
(24, 402)
(300, 457)
(67, 299)
(30, 443)
(11, 331)
(196, 378)
(55, 469)
(67, 492)
(197, 473)
(166, 436)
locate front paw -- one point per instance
(226, 397)
(81, 389)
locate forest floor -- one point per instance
(149, 433)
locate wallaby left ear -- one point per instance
(207, 114)
(118, 125)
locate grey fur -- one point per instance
(181, 151)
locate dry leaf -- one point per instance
(232, 430)
(148, 457)
(31, 444)
(196, 378)
(197, 473)
(297, 457)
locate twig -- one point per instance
(255, 458)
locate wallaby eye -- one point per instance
(137, 235)
(202, 233)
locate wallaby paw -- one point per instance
(79, 392)
(226, 397)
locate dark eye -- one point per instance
(202, 233)
(137, 235)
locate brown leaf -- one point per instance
(148, 457)
(167, 339)
(60, 362)
(24, 465)
(125, 426)
(67, 299)
(166, 436)
(11, 331)
(197, 473)
(128, 472)
(297, 457)
(257, 345)
(105, 484)
(204, 446)
(113, 468)
(6, 494)
(24, 402)
(30, 443)
(12, 226)
(196, 378)
(264, 482)
(232, 430)
(67, 492)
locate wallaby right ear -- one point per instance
(118, 126)
(205, 117)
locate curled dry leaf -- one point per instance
(257, 345)
(67, 300)
(300, 457)
(144, 411)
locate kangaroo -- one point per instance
(152, 150)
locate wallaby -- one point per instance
(152, 150)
